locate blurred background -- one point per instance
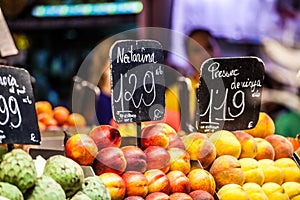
(54, 37)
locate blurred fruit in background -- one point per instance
(295, 141)
(76, 120)
(61, 114)
(43, 107)
(57, 117)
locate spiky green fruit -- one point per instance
(66, 172)
(17, 168)
(10, 191)
(80, 196)
(46, 189)
(95, 188)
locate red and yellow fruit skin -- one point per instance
(81, 148)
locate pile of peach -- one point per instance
(159, 169)
(248, 164)
(255, 164)
(54, 117)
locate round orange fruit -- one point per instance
(81, 148)
(76, 120)
(43, 107)
(61, 114)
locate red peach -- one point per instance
(110, 159)
(201, 195)
(136, 183)
(179, 182)
(157, 196)
(157, 181)
(105, 136)
(157, 158)
(135, 158)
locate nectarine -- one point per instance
(200, 148)
(135, 158)
(157, 196)
(136, 183)
(157, 181)
(81, 148)
(179, 182)
(110, 159)
(201, 195)
(180, 160)
(106, 136)
(156, 135)
(115, 185)
(157, 158)
(181, 196)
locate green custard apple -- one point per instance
(46, 189)
(66, 172)
(10, 191)
(17, 168)
(80, 196)
(95, 188)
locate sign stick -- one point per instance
(10, 147)
(138, 134)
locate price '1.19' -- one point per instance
(224, 112)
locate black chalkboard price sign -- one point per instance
(18, 120)
(229, 94)
(137, 79)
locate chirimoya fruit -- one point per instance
(10, 191)
(95, 188)
(17, 168)
(66, 172)
(80, 196)
(46, 189)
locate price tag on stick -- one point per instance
(229, 94)
(137, 79)
(18, 120)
